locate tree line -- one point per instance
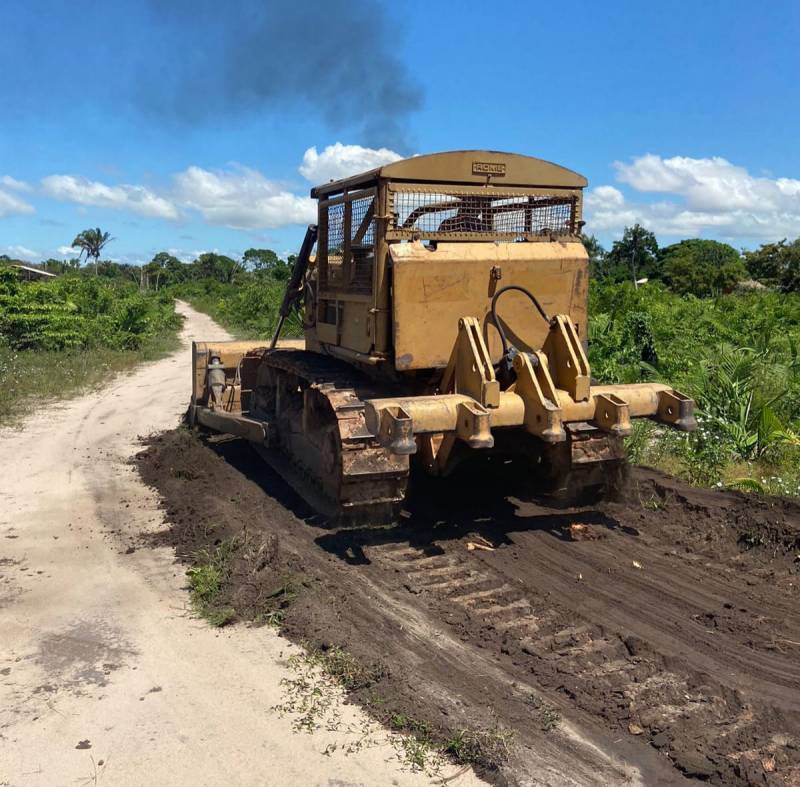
(165, 269)
(694, 266)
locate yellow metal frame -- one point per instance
(552, 389)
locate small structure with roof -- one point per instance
(28, 273)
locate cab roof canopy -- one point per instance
(463, 167)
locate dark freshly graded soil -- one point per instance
(656, 639)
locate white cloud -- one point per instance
(341, 161)
(238, 197)
(10, 204)
(708, 184)
(180, 254)
(711, 196)
(605, 195)
(14, 184)
(606, 210)
(241, 198)
(137, 199)
(68, 251)
(22, 252)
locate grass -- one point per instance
(710, 464)
(206, 580)
(240, 559)
(489, 748)
(417, 743)
(34, 378)
(346, 670)
(311, 696)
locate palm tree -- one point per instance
(91, 242)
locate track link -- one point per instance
(319, 441)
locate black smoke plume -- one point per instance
(334, 59)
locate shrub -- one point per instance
(248, 308)
(78, 312)
(736, 355)
(701, 267)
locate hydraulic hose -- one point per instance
(499, 327)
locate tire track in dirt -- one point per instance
(671, 617)
(644, 628)
(684, 661)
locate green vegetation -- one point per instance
(488, 748)
(701, 267)
(242, 296)
(276, 602)
(634, 256)
(695, 266)
(697, 323)
(79, 312)
(418, 741)
(320, 674)
(735, 354)
(230, 581)
(700, 325)
(91, 243)
(690, 325)
(63, 335)
(247, 308)
(776, 265)
(207, 577)
(312, 692)
(347, 671)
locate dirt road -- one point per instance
(104, 675)
(650, 641)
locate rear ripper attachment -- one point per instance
(426, 289)
(578, 428)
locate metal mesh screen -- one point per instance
(362, 244)
(362, 223)
(512, 215)
(335, 232)
(351, 270)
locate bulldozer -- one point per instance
(443, 301)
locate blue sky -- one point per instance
(194, 125)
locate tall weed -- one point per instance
(736, 355)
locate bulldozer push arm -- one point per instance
(294, 287)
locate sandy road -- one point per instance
(104, 675)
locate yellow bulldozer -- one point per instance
(444, 307)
